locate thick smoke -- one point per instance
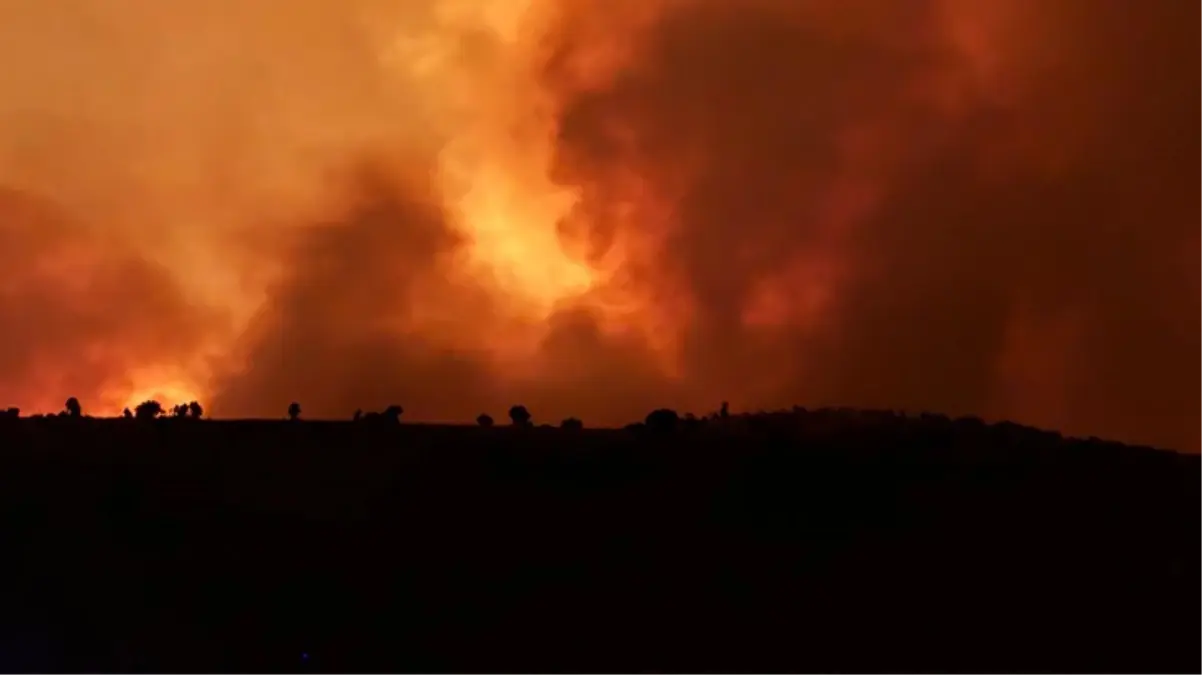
(79, 315)
(597, 208)
(987, 213)
(169, 150)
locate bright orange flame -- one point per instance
(514, 241)
(493, 169)
(166, 389)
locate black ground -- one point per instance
(784, 544)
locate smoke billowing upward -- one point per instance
(598, 208)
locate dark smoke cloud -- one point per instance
(77, 316)
(1073, 198)
(372, 313)
(978, 208)
(337, 331)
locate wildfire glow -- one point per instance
(598, 207)
(519, 246)
(168, 392)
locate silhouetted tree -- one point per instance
(393, 413)
(195, 411)
(662, 420)
(12, 413)
(179, 410)
(127, 414)
(73, 407)
(571, 424)
(520, 416)
(358, 415)
(294, 411)
(148, 410)
(484, 420)
(724, 411)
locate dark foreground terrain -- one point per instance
(800, 543)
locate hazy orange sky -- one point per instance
(600, 207)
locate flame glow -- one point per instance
(598, 207)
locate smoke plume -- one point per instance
(596, 208)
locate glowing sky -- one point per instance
(597, 208)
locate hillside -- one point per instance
(829, 541)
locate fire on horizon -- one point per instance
(600, 208)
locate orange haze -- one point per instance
(597, 207)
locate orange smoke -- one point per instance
(601, 207)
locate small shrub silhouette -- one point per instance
(73, 408)
(662, 420)
(148, 410)
(520, 416)
(484, 420)
(571, 424)
(393, 414)
(294, 411)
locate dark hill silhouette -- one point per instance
(831, 540)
